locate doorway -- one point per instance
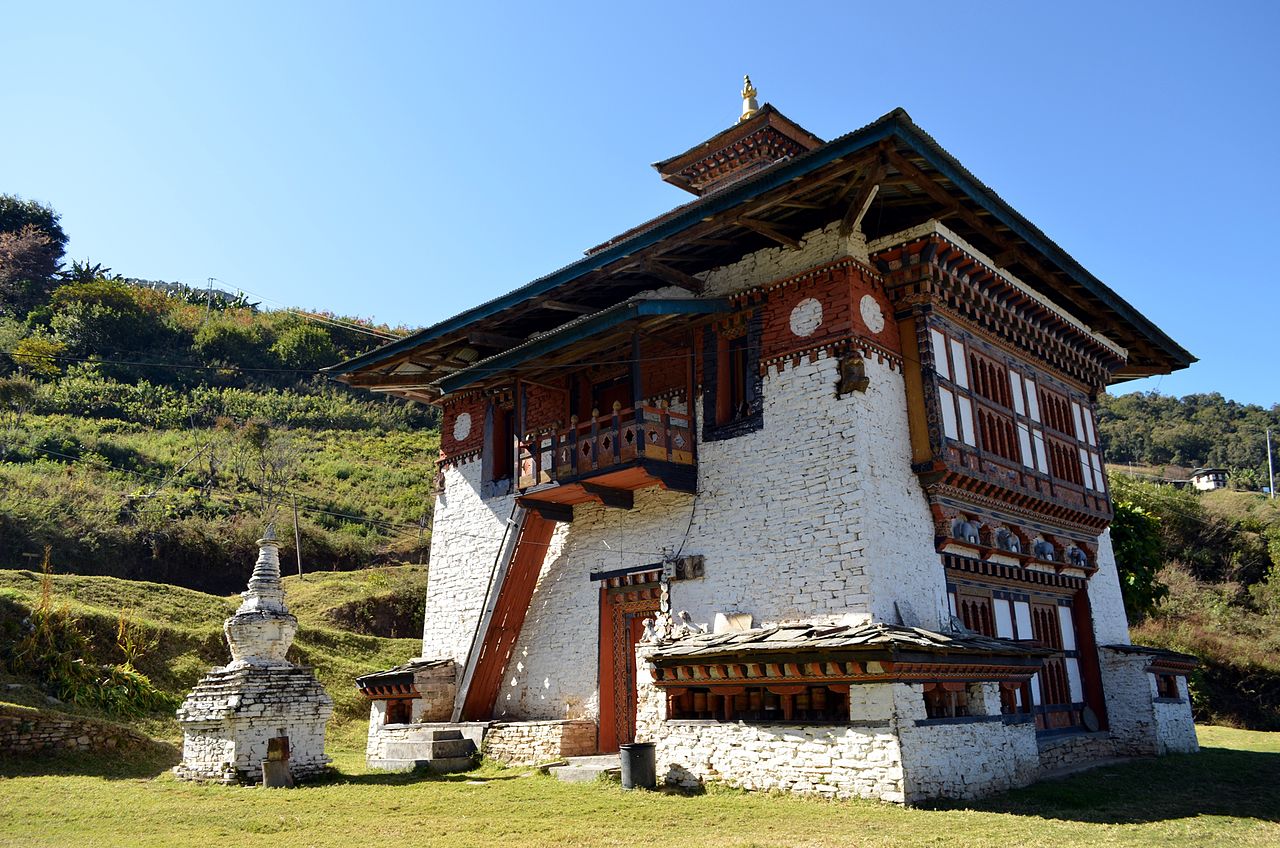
(625, 603)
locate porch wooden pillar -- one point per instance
(637, 393)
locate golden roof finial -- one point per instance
(749, 104)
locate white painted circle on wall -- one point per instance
(871, 314)
(806, 317)
(462, 426)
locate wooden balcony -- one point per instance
(607, 457)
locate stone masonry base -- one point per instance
(533, 742)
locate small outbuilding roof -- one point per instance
(873, 637)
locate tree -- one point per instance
(306, 347)
(28, 262)
(265, 462)
(1135, 533)
(32, 244)
(40, 355)
(17, 394)
(16, 213)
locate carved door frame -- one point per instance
(625, 602)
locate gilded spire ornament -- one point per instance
(749, 104)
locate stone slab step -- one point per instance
(586, 769)
(444, 765)
(430, 750)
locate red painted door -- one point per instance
(623, 611)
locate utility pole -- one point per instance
(208, 299)
(1271, 469)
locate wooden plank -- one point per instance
(565, 306)
(673, 276)
(508, 618)
(494, 339)
(769, 231)
(616, 498)
(862, 198)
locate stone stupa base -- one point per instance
(229, 717)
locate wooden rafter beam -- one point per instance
(861, 200)
(1005, 246)
(616, 498)
(398, 381)
(769, 231)
(674, 276)
(565, 306)
(498, 340)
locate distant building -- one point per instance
(1208, 479)
(800, 481)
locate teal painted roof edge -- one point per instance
(898, 123)
(576, 330)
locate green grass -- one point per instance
(1229, 794)
(183, 629)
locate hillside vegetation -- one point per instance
(1214, 564)
(1156, 432)
(349, 624)
(151, 431)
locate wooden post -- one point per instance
(637, 393)
(690, 386)
(617, 432)
(297, 534)
(518, 435)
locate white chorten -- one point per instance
(234, 711)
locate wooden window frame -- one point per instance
(732, 387)
(765, 704)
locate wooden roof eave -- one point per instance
(757, 207)
(599, 331)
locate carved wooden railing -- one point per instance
(604, 442)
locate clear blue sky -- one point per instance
(406, 161)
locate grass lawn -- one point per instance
(1229, 794)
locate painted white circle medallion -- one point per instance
(871, 314)
(806, 317)
(462, 426)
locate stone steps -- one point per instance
(446, 765)
(586, 769)
(435, 749)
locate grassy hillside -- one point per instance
(121, 497)
(182, 632)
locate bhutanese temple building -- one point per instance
(800, 481)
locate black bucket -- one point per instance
(639, 765)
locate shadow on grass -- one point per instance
(1214, 782)
(124, 765)
(420, 775)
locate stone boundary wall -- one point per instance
(30, 731)
(527, 743)
(964, 758)
(1074, 749)
(840, 761)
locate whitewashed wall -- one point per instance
(782, 518)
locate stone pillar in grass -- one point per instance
(235, 711)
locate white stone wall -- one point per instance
(765, 266)
(527, 743)
(964, 758)
(858, 760)
(888, 751)
(466, 533)
(1110, 624)
(1129, 691)
(790, 518)
(1175, 726)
